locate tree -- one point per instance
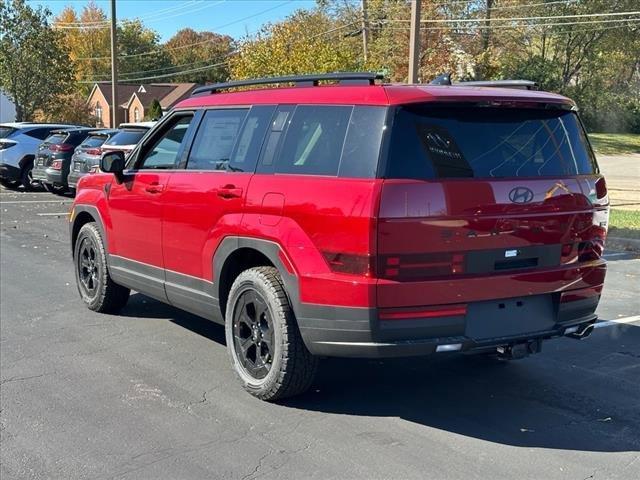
(155, 110)
(306, 42)
(34, 64)
(190, 50)
(69, 108)
(140, 53)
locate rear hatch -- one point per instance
(54, 144)
(477, 201)
(87, 154)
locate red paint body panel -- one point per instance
(370, 95)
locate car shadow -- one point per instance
(526, 403)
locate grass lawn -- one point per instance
(624, 224)
(615, 143)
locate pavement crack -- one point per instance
(258, 466)
(20, 379)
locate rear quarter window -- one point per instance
(430, 142)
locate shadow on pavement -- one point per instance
(527, 403)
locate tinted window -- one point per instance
(245, 154)
(314, 140)
(56, 138)
(215, 138)
(164, 152)
(362, 145)
(6, 131)
(93, 141)
(40, 133)
(126, 137)
(464, 142)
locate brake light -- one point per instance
(417, 314)
(601, 188)
(61, 147)
(5, 145)
(349, 263)
(57, 165)
(93, 151)
(418, 266)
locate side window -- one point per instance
(164, 151)
(215, 139)
(362, 145)
(247, 149)
(314, 140)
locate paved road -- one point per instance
(150, 394)
(623, 177)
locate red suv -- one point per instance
(353, 219)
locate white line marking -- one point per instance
(52, 214)
(62, 202)
(617, 321)
(609, 255)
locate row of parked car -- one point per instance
(56, 156)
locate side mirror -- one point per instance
(113, 162)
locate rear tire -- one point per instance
(26, 180)
(53, 189)
(97, 290)
(263, 340)
(10, 184)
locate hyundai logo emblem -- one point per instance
(521, 195)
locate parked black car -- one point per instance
(87, 155)
(53, 158)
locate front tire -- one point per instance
(26, 178)
(97, 290)
(263, 340)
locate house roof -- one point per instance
(168, 94)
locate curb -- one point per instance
(624, 244)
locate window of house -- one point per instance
(98, 112)
(136, 115)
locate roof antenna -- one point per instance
(442, 79)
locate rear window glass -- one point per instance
(126, 137)
(467, 142)
(6, 131)
(94, 141)
(56, 138)
(314, 140)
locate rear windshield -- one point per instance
(126, 137)
(473, 142)
(94, 141)
(6, 131)
(56, 138)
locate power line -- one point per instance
(514, 19)
(196, 43)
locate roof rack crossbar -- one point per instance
(346, 78)
(445, 79)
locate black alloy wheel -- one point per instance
(253, 338)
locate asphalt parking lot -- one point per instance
(150, 393)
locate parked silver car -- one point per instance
(18, 146)
(87, 155)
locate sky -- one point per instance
(231, 17)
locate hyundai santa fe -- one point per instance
(339, 216)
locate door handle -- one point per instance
(154, 188)
(230, 191)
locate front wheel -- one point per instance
(96, 288)
(263, 340)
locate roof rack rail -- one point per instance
(345, 78)
(445, 79)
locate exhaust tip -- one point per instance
(579, 332)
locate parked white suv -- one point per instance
(18, 145)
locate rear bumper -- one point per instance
(74, 177)
(49, 175)
(9, 172)
(358, 332)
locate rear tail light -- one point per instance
(5, 145)
(93, 151)
(57, 165)
(420, 266)
(417, 314)
(61, 147)
(349, 263)
(601, 188)
(590, 250)
(94, 169)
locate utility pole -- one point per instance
(414, 42)
(114, 67)
(365, 40)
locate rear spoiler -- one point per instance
(445, 79)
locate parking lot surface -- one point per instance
(150, 393)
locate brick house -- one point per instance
(134, 99)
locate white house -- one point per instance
(7, 109)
